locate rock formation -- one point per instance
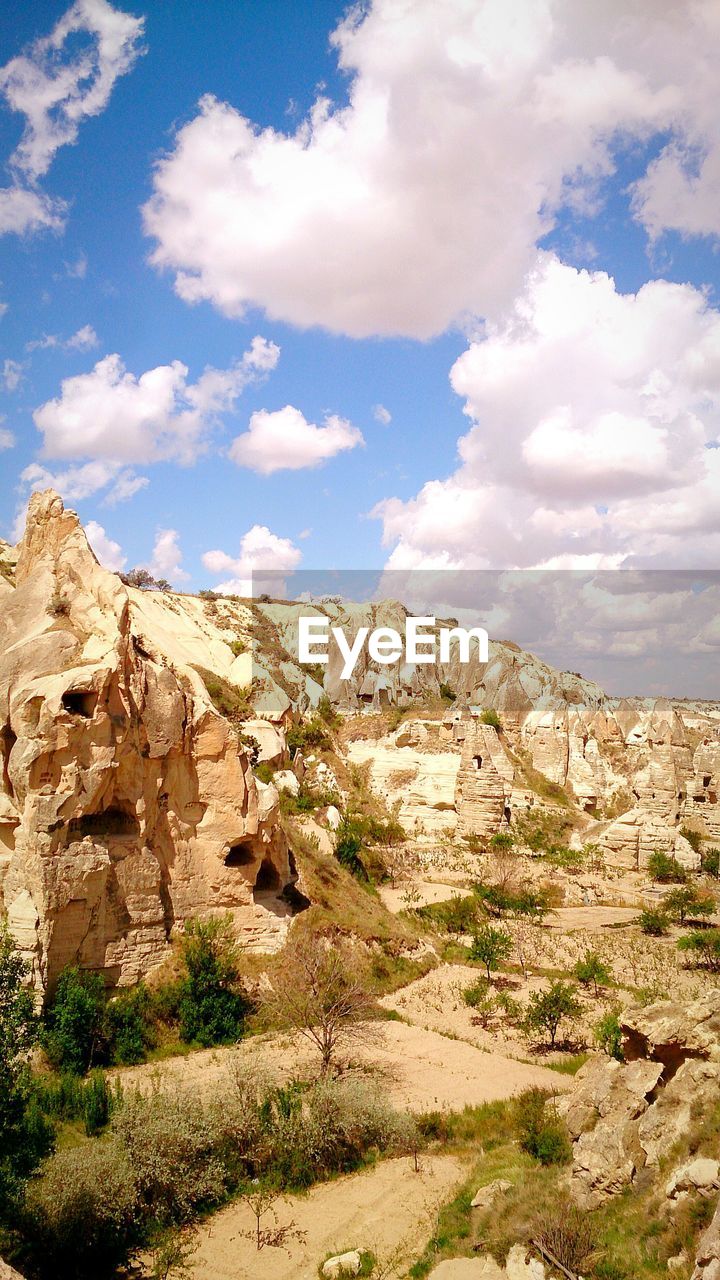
(481, 794)
(626, 1116)
(127, 804)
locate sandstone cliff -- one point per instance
(127, 803)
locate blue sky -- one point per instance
(475, 170)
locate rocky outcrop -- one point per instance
(627, 1116)
(707, 1261)
(127, 804)
(482, 794)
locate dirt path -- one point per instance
(422, 1070)
(591, 918)
(380, 1209)
(428, 891)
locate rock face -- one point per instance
(707, 1262)
(481, 794)
(626, 1116)
(127, 803)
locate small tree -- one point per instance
(608, 1035)
(685, 902)
(710, 862)
(666, 869)
(548, 1009)
(654, 922)
(706, 945)
(75, 1033)
(25, 1137)
(591, 970)
(320, 992)
(213, 1008)
(491, 946)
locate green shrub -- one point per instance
(571, 860)
(532, 903)
(666, 869)
(540, 1130)
(686, 902)
(591, 970)
(75, 1033)
(455, 915)
(693, 838)
(705, 943)
(129, 1026)
(492, 718)
(491, 946)
(654, 922)
(710, 862)
(608, 1035)
(80, 1218)
(312, 735)
(212, 1008)
(25, 1136)
(446, 693)
(547, 1010)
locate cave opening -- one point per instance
(240, 855)
(113, 821)
(477, 762)
(80, 702)
(7, 742)
(268, 881)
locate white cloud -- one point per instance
(12, 374)
(77, 270)
(84, 340)
(56, 92)
(469, 125)
(56, 84)
(111, 414)
(23, 212)
(382, 415)
(592, 412)
(167, 557)
(261, 552)
(76, 483)
(7, 439)
(285, 440)
(109, 553)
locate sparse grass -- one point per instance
(230, 701)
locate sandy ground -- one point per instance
(428, 891)
(590, 918)
(422, 1070)
(386, 1208)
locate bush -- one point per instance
(540, 1130)
(685, 902)
(693, 838)
(212, 1007)
(454, 915)
(608, 1035)
(75, 1033)
(129, 1027)
(80, 1218)
(446, 693)
(547, 1010)
(25, 1137)
(591, 970)
(492, 718)
(532, 903)
(666, 869)
(312, 735)
(491, 946)
(710, 862)
(654, 922)
(569, 1233)
(705, 943)
(571, 860)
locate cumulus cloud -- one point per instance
(468, 127)
(166, 559)
(61, 80)
(113, 415)
(592, 413)
(285, 441)
(77, 482)
(382, 415)
(7, 439)
(109, 553)
(261, 552)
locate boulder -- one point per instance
(702, 1175)
(342, 1265)
(332, 817)
(8, 1273)
(285, 780)
(520, 1265)
(485, 1196)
